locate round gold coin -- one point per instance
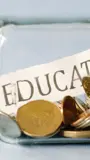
(75, 134)
(39, 118)
(69, 110)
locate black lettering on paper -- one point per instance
(48, 85)
(86, 66)
(55, 81)
(20, 97)
(75, 70)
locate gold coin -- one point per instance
(75, 134)
(46, 136)
(69, 110)
(39, 118)
(86, 85)
(59, 105)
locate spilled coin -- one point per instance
(39, 118)
(8, 127)
(75, 134)
(69, 110)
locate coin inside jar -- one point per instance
(39, 118)
(83, 120)
(75, 134)
(86, 85)
(8, 127)
(69, 110)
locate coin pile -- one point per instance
(42, 119)
(82, 123)
(45, 119)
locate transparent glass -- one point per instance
(26, 46)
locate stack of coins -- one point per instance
(82, 124)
